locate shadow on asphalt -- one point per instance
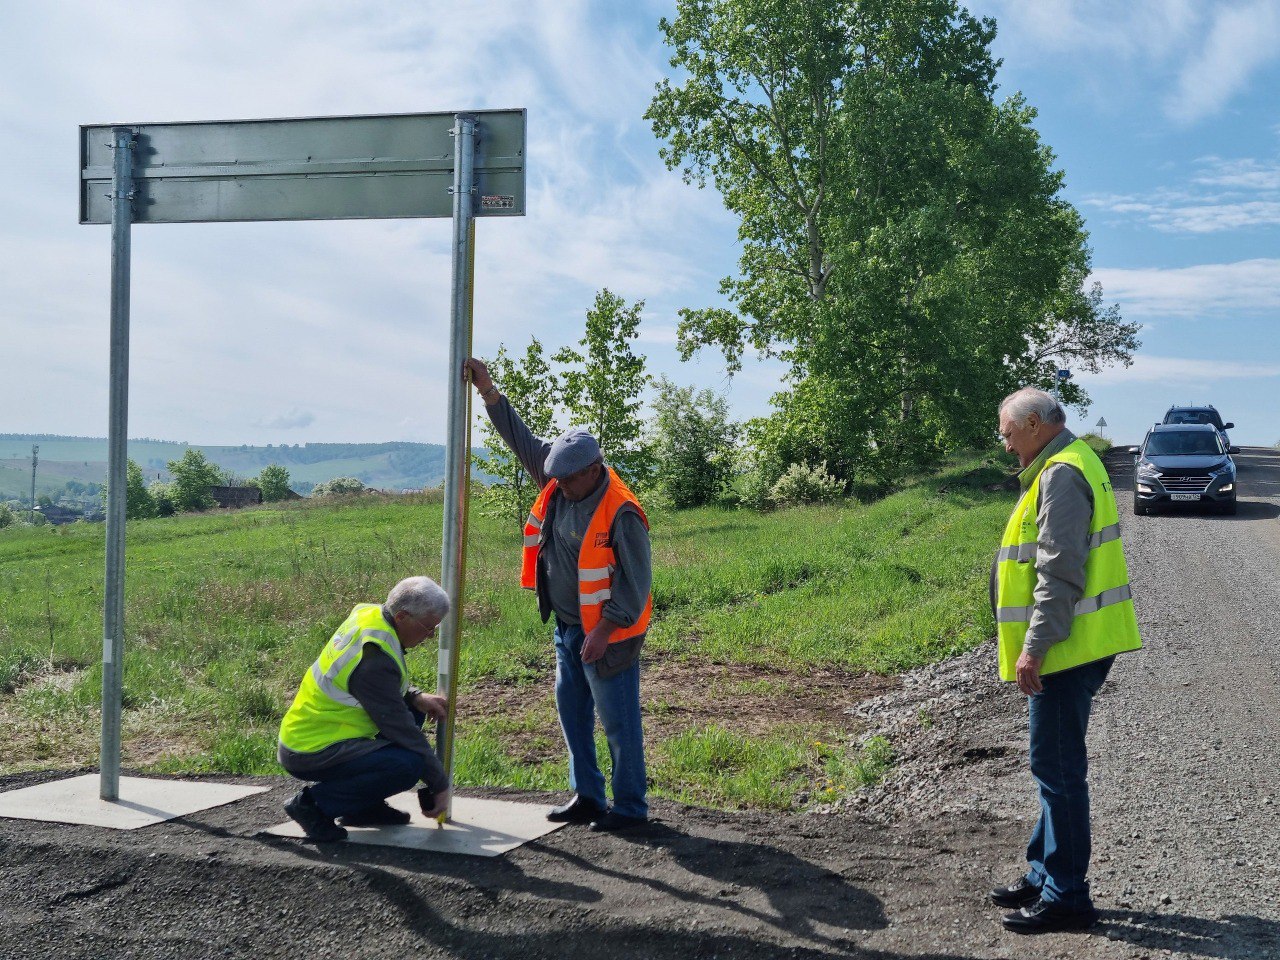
(1228, 937)
(801, 895)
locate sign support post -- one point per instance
(122, 143)
(457, 456)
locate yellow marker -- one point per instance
(440, 820)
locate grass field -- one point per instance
(767, 627)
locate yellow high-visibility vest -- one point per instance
(1105, 622)
(324, 712)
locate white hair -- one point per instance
(418, 597)
(1022, 403)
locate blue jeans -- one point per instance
(1058, 854)
(365, 781)
(580, 695)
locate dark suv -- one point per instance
(1205, 414)
(1184, 463)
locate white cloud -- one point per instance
(1149, 29)
(1206, 290)
(1186, 371)
(239, 329)
(1222, 195)
(1241, 39)
(292, 420)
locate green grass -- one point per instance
(225, 611)
(1096, 443)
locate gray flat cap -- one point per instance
(570, 452)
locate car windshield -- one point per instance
(1184, 443)
(1193, 416)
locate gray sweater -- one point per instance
(563, 529)
(1063, 515)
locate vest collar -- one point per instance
(1056, 445)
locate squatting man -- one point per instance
(354, 729)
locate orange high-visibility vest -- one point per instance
(596, 560)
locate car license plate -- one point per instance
(1184, 496)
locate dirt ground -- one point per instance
(1185, 778)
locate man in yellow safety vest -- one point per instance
(1060, 589)
(354, 728)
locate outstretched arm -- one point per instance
(531, 451)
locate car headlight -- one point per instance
(1145, 488)
(1226, 488)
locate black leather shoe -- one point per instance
(612, 822)
(1021, 893)
(1043, 917)
(577, 810)
(379, 815)
(318, 828)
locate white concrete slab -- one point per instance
(479, 828)
(142, 801)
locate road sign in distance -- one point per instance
(315, 168)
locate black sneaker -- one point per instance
(381, 814)
(1043, 917)
(612, 822)
(1021, 893)
(317, 827)
(577, 810)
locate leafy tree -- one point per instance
(44, 500)
(904, 245)
(7, 518)
(273, 481)
(692, 444)
(193, 475)
(138, 502)
(532, 389)
(602, 388)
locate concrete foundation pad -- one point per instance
(479, 828)
(142, 801)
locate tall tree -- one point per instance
(273, 481)
(603, 387)
(692, 443)
(193, 475)
(904, 244)
(532, 389)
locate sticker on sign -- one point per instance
(498, 203)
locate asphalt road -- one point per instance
(1187, 771)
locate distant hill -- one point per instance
(386, 466)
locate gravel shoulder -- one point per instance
(1185, 776)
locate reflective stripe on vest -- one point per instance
(324, 712)
(1104, 620)
(596, 559)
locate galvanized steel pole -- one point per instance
(122, 141)
(457, 455)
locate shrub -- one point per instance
(337, 487)
(193, 475)
(805, 484)
(7, 519)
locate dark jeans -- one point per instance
(1058, 854)
(367, 780)
(581, 694)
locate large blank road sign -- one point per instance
(318, 168)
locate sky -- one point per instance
(1162, 114)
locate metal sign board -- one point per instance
(1102, 422)
(314, 168)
